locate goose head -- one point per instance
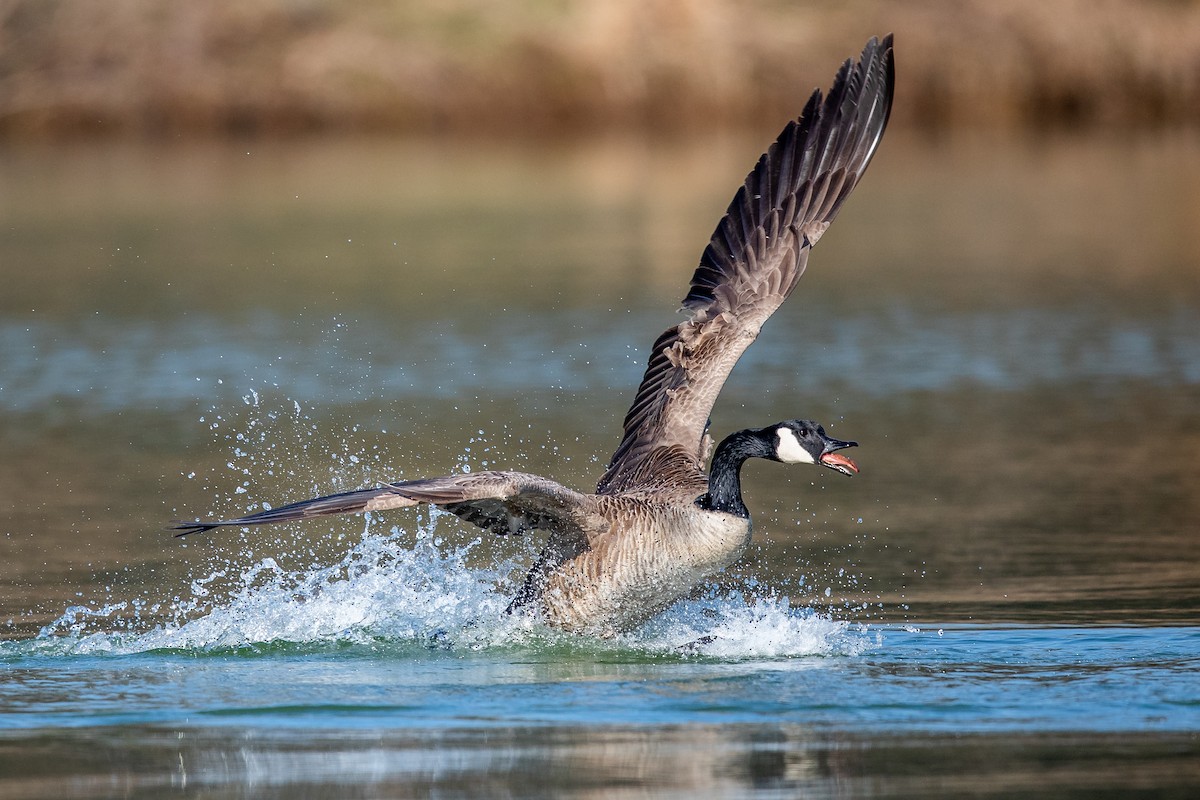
(802, 441)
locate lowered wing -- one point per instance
(500, 502)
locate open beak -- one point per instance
(834, 460)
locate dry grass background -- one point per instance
(149, 67)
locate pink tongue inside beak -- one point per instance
(836, 460)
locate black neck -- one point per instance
(724, 477)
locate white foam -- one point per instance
(731, 625)
(389, 593)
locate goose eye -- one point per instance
(802, 432)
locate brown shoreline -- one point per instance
(269, 67)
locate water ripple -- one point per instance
(104, 365)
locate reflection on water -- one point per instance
(932, 713)
(603, 762)
(1011, 330)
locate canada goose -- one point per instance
(657, 524)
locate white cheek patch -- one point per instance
(789, 449)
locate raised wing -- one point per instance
(501, 502)
(752, 263)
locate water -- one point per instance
(1004, 603)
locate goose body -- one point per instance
(658, 524)
(648, 553)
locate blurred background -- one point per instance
(253, 251)
(549, 67)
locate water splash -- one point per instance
(384, 589)
(388, 594)
(394, 590)
(728, 624)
